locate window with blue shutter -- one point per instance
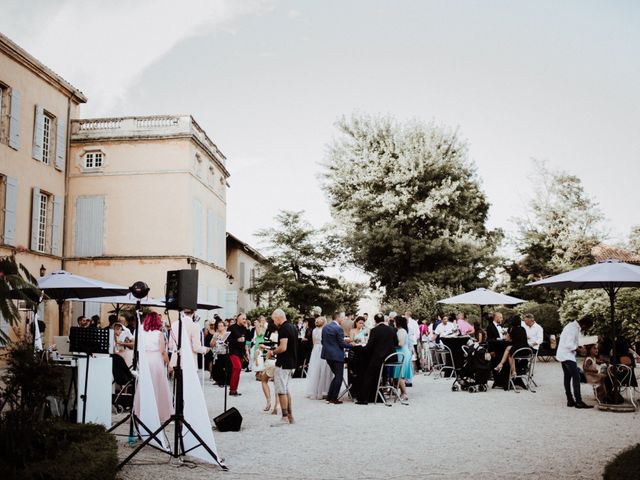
(211, 236)
(197, 228)
(56, 226)
(222, 243)
(35, 218)
(88, 236)
(38, 133)
(10, 209)
(14, 120)
(61, 144)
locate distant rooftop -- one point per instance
(246, 247)
(144, 128)
(604, 252)
(19, 54)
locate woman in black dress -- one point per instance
(518, 340)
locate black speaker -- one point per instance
(229, 421)
(182, 290)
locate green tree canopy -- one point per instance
(562, 225)
(295, 273)
(410, 203)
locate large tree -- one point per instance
(410, 204)
(561, 227)
(295, 273)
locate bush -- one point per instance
(56, 451)
(625, 466)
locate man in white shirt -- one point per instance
(446, 328)
(566, 355)
(535, 333)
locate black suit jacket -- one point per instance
(492, 332)
(382, 342)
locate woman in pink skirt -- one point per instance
(158, 360)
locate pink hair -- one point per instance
(152, 322)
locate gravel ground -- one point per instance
(441, 434)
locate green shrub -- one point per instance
(56, 451)
(291, 312)
(625, 466)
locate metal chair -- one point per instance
(390, 371)
(533, 365)
(523, 359)
(441, 365)
(621, 379)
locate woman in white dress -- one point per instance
(319, 375)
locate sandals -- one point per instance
(498, 368)
(267, 408)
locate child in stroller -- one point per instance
(476, 369)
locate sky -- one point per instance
(267, 79)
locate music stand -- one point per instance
(88, 341)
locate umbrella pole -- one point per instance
(481, 316)
(60, 317)
(612, 308)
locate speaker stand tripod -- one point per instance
(177, 418)
(131, 417)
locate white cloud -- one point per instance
(103, 47)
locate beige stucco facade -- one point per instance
(156, 201)
(32, 171)
(242, 264)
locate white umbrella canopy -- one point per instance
(61, 285)
(482, 296)
(127, 299)
(610, 275)
(202, 305)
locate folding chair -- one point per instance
(388, 379)
(445, 362)
(523, 359)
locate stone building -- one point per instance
(36, 107)
(242, 264)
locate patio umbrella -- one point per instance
(202, 305)
(609, 275)
(482, 297)
(61, 286)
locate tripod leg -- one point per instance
(153, 436)
(204, 445)
(113, 427)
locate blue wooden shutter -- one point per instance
(211, 236)
(241, 275)
(61, 144)
(222, 243)
(88, 239)
(38, 133)
(197, 228)
(14, 120)
(35, 218)
(56, 226)
(10, 208)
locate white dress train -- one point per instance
(319, 375)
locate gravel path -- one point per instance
(441, 434)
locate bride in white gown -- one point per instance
(319, 375)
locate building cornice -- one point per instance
(21, 56)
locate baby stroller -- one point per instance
(122, 397)
(475, 371)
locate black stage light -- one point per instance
(139, 290)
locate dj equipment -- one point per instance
(229, 421)
(182, 290)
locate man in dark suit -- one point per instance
(333, 346)
(494, 329)
(382, 343)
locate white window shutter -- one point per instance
(211, 236)
(88, 237)
(197, 228)
(222, 243)
(14, 120)
(35, 217)
(61, 143)
(38, 133)
(10, 208)
(241, 275)
(56, 226)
